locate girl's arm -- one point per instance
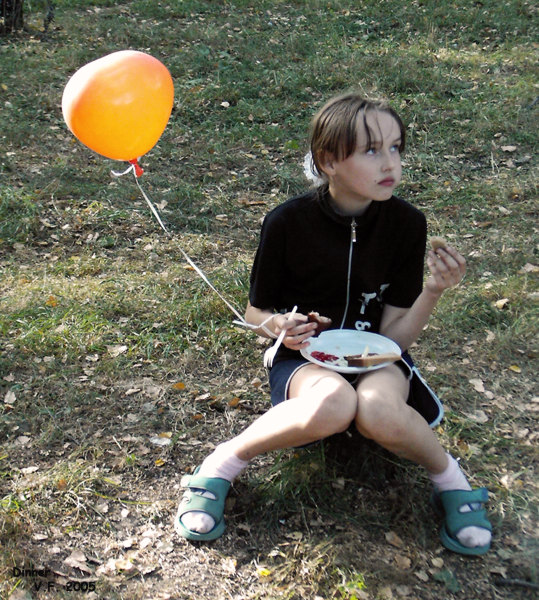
(404, 325)
(299, 329)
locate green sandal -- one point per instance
(449, 504)
(193, 501)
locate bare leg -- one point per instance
(384, 416)
(322, 403)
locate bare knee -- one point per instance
(381, 416)
(333, 410)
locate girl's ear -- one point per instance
(328, 163)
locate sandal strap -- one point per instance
(457, 521)
(192, 502)
(454, 500)
(215, 485)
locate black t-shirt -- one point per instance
(306, 251)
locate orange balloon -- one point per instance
(119, 105)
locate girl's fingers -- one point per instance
(447, 266)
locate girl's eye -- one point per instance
(395, 148)
(371, 151)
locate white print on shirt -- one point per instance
(367, 297)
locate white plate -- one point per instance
(345, 342)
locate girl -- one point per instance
(353, 252)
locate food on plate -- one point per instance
(438, 242)
(322, 323)
(323, 357)
(370, 359)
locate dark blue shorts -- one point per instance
(421, 396)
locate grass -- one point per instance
(108, 338)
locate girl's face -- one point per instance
(371, 172)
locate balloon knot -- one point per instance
(138, 169)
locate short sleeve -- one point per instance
(407, 270)
(266, 282)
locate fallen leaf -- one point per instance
(10, 397)
(478, 385)
(385, 593)
(501, 304)
(51, 301)
(263, 572)
(116, 350)
(403, 590)
(403, 562)
(529, 268)
(28, 470)
(159, 440)
(393, 539)
(479, 416)
(77, 560)
(234, 402)
(122, 564)
(339, 483)
(515, 368)
(498, 570)
(229, 565)
(103, 508)
(437, 562)
(178, 386)
(509, 148)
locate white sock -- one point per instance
(454, 479)
(220, 463)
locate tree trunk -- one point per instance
(11, 15)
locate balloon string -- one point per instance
(150, 204)
(197, 269)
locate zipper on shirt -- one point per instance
(353, 240)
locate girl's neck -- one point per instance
(348, 207)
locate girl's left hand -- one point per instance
(447, 268)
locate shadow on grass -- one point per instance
(345, 482)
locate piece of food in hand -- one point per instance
(371, 359)
(438, 242)
(322, 323)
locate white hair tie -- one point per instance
(311, 172)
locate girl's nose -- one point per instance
(388, 160)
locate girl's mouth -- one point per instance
(389, 182)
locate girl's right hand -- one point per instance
(299, 330)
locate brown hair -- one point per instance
(334, 128)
